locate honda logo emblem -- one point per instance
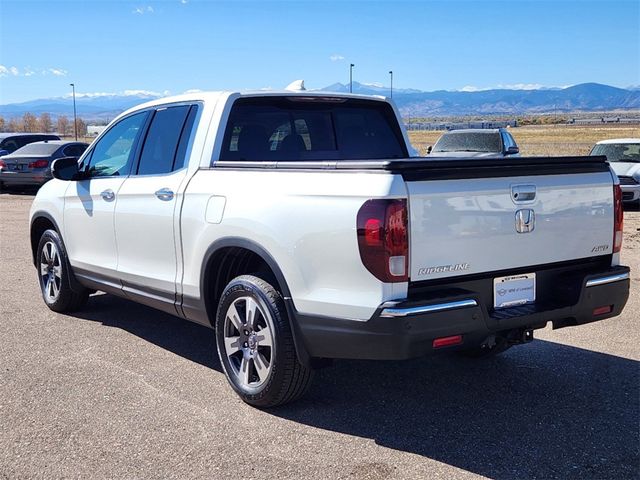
(525, 220)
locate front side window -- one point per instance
(311, 128)
(161, 152)
(113, 154)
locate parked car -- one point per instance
(31, 164)
(298, 227)
(10, 142)
(624, 156)
(475, 142)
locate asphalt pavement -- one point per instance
(120, 390)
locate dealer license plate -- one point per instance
(514, 290)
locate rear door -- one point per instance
(90, 203)
(475, 225)
(146, 223)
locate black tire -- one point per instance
(52, 265)
(487, 351)
(261, 365)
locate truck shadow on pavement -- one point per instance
(187, 339)
(543, 410)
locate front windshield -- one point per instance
(469, 142)
(618, 152)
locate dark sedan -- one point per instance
(31, 164)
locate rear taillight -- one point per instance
(42, 163)
(383, 239)
(618, 218)
(39, 164)
(2, 164)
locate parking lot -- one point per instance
(121, 390)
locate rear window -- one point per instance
(38, 149)
(469, 142)
(294, 128)
(618, 152)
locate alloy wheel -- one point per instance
(50, 272)
(248, 341)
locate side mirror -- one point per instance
(429, 148)
(66, 168)
(512, 151)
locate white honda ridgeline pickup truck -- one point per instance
(299, 227)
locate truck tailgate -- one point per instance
(462, 226)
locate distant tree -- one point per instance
(82, 128)
(45, 124)
(2, 124)
(15, 125)
(30, 122)
(62, 125)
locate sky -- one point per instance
(172, 46)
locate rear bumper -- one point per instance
(407, 329)
(24, 178)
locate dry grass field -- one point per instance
(547, 139)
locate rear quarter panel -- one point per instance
(305, 220)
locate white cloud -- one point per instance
(92, 95)
(509, 86)
(143, 10)
(141, 92)
(522, 86)
(28, 71)
(184, 2)
(193, 90)
(58, 72)
(336, 58)
(125, 93)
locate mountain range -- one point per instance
(585, 97)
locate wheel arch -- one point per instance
(230, 257)
(40, 222)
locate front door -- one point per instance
(90, 203)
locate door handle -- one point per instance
(164, 194)
(108, 195)
(523, 193)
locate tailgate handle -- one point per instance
(523, 193)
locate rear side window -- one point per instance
(74, 150)
(10, 145)
(311, 128)
(165, 144)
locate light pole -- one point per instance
(351, 77)
(75, 122)
(391, 73)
